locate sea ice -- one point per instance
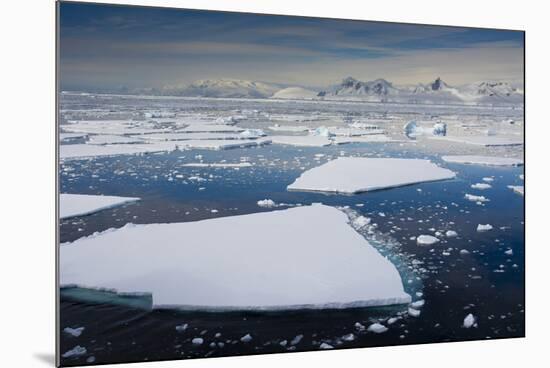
(278, 249)
(519, 189)
(487, 141)
(475, 198)
(486, 227)
(75, 352)
(222, 144)
(81, 151)
(289, 128)
(484, 160)
(75, 332)
(451, 234)
(325, 346)
(426, 240)
(356, 174)
(104, 139)
(267, 203)
(480, 186)
(246, 338)
(469, 321)
(219, 165)
(71, 205)
(301, 140)
(377, 328)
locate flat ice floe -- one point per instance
(196, 136)
(484, 160)
(72, 205)
(218, 144)
(289, 128)
(301, 140)
(303, 257)
(112, 139)
(356, 174)
(519, 189)
(80, 151)
(378, 138)
(205, 128)
(487, 141)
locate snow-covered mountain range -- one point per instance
(351, 89)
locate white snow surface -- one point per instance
(81, 151)
(484, 227)
(295, 93)
(484, 160)
(303, 257)
(71, 205)
(357, 174)
(102, 139)
(519, 189)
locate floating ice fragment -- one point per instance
(481, 227)
(377, 328)
(325, 346)
(451, 234)
(197, 341)
(246, 338)
(296, 340)
(413, 312)
(480, 186)
(267, 203)
(348, 337)
(476, 198)
(418, 304)
(426, 240)
(484, 160)
(469, 321)
(75, 352)
(73, 331)
(72, 205)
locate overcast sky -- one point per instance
(106, 47)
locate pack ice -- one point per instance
(303, 257)
(71, 205)
(356, 174)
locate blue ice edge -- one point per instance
(144, 300)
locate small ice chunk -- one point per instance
(464, 252)
(75, 352)
(296, 340)
(266, 203)
(360, 222)
(509, 252)
(426, 240)
(480, 186)
(451, 234)
(359, 326)
(418, 304)
(197, 341)
(486, 227)
(181, 328)
(325, 346)
(377, 328)
(469, 321)
(348, 337)
(475, 198)
(413, 312)
(73, 331)
(246, 338)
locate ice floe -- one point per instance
(267, 203)
(71, 205)
(484, 160)
(218, 165)
(480, 186)
(377, 328)
(476, 198)
(469, 321)
(487, 141)
(482, 227)
(112, 139)
(519, 189)
(342, 268)
(301, 140)
(426, 240)
(82, 151)
(357, 174)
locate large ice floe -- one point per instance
(484, 160)
(79, 151)
(303, 257)
(301, 140)
(356, 174)
(519, 189)
(487, 141)
(72, 205)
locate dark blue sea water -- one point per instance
(487, 281)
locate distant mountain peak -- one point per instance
(438, 85)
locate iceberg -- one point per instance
(303, 257)
(486, 227)
(356, 174)
(72, 205)
(484, 160)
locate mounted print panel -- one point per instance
(237, 184)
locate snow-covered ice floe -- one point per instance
(198, 136)
(356, 174)
(289, 128)
(519, 189)
(378, 138)
(303, 257)
(487, 141)
(484, 160)
(301, 140)
(426, 240)
(80, 151)
(219, 144)
(101, 139)
(72, 205)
